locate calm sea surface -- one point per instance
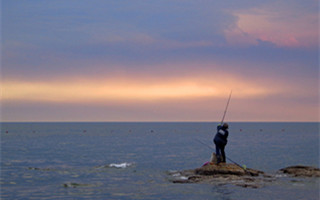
(132, 160)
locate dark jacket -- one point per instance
(221, 136)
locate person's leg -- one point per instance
(218, 153)
(223, 154)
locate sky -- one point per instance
(164, 60)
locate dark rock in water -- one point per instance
(223, 173)
(302, 171)
(40, 169)
(75, 185)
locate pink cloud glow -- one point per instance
(284, 29)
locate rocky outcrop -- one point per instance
(301, 171)
(223, 173)
(226, 168)
(227, 173)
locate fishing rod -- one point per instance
(244, 168)
(225, 111)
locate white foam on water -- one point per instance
(121, 165)
(176, 174)
(172, 171)
(281, 175)
(183, 178)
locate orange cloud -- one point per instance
(129, 89)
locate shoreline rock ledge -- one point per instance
(301, 171)
(228, 173)
(221, 174)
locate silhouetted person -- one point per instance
(220, 140)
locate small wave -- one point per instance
(115, 165)
(176, 174)
(184, 178)
(121, 165)
(280, 175)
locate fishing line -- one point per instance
(244, 168)
(224, 114)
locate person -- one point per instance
(220, 140)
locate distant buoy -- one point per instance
(84, 131)
(283, 130)
(261, 130)
(7, 132)
(240, 130)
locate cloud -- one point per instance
(254, 107)
(284, 25)
(166, 57)
(129, 89)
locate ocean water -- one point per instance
(132, 160)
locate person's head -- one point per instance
(225, 126)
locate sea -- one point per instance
(133, 160)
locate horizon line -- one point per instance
(159, 121)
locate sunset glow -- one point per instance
(159, 61)
(104, 91)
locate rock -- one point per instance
(213, 158)
(227, 173)
(301, 171)
(40, 169)
(75, 185)
(222, 168)
(223, 173)
(226, 168)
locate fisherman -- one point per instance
(220, 140)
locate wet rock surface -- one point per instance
(223, 173)
(227, 173)
(301, 171)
